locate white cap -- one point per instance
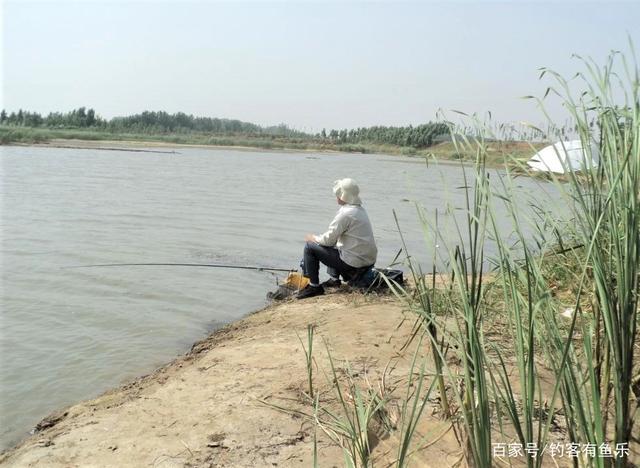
(347, 190)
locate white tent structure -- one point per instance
(565, 156)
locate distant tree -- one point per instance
(81, 117)
(32, 119)
(3, 116)
(91, 118)
(342, 136)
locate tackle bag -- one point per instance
(373, 279)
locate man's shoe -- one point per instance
(310, 291)
(332, 283)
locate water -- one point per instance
(69, 334)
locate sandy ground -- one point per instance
(443, 151)
(158, 146)
(216, 406)
(239, 398)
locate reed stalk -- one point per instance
(308, 354)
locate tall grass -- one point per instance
(591, 358)
(606, 208)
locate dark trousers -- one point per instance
(314, 254)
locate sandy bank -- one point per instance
(150, 146)
(441, 152)
(207, 407)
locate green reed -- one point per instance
(590, 358)
(308, 354)
(605, 205)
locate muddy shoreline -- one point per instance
(135, 145)
(173, 149)
(216, 405)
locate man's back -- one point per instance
(356, 243)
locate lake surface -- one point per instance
(69, 334)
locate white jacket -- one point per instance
(351, 233)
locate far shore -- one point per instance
(127, 145)
(444, 153)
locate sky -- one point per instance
(311, 65)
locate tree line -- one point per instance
(420, 136)
(77, 118)
(153, 123)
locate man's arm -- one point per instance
(336, 228)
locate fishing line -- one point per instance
(207, 265)
(271, 271)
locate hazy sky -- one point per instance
(308, 64)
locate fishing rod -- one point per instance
(207, 265)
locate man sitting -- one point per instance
(346, 248)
